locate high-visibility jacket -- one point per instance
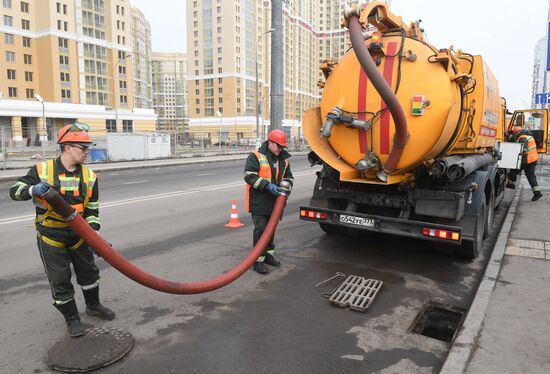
(258, 179)
(530, 154)
(78, 188)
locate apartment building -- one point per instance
(141, 57)
(225, 42)
(64, 61)
(170, 91)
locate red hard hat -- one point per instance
(516, 129)
(74, 133)
(277, 136)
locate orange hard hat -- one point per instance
(75, 133)
(277, 136)
(516, 129)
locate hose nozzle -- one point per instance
(330, 121)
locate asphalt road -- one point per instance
(169, 221)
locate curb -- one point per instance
(466, 341)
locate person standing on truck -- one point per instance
(264, 169)
(528, 161)
(59, 246)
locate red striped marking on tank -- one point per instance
(362, 107)
(385, 119)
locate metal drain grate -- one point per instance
(356, 292)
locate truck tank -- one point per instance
(449, 101)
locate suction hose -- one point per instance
(113, 257)
(386, 93)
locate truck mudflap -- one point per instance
(387, 225)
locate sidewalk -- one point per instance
(507, 329)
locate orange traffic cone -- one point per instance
(234, 221)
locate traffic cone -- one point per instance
(234, 221)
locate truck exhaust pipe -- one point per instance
(113, 257)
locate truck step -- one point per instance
(356, 292)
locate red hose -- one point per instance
(113, 257)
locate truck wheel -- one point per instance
(490, 214)
(470, 249)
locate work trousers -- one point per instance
(260, 222)
(57, 264)
(529, 170)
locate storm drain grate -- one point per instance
(356, 292)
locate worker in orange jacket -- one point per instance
(59, 246)
(264, 170)
(528, 161)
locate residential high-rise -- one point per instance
(226, 40)
(141, 57)
(170, 91)
(67, 52)
(540, 75)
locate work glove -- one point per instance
(39, 189)
(273, 189)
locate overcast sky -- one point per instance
(504, 32)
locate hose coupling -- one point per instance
(330, 121)
(286, 187)
(369, 162)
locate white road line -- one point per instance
(204, 174)
(7, 221)
(135, 182)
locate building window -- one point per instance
(7, 4)
(123, 99)
(8, 38)
(11, 74)
(63, 43)
(65, 26)
(30, 93)
(65, 77)
(25, 24)
(64, 9)
(127, 125)
(26, 41)
(12, 92)
(24, 7)
(28, 76)
(64, 60)
(65, 94)
(58, 7)
(59, 24)
(10, 56)
(8, 21)
(110, 124)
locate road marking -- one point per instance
(204, 174)
(7, 221)
(135, 182)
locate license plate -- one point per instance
(360, 221)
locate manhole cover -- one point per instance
(438, 321)
(100, 347)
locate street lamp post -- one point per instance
(220, 140)
(3, 150)
(44, 128)
(257, 93)
(115, 82)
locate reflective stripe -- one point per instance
(93, 219)
(93, 205)
(536, 189)
(57, 244)
(261, 259)
(19, 189)
(61, 302)
(271, 251)
(90, 286)
(46, 222)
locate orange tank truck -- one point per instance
(408, 136)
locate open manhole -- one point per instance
(438, 321)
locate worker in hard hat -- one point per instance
(59, 246)
(528, 161)
(265, 168)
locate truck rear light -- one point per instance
(441, 234)
(313, 214)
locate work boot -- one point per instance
(260, 267)
(271, 260)
(537, 195)
(74, 328)
(72, 318)
(94, 308)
